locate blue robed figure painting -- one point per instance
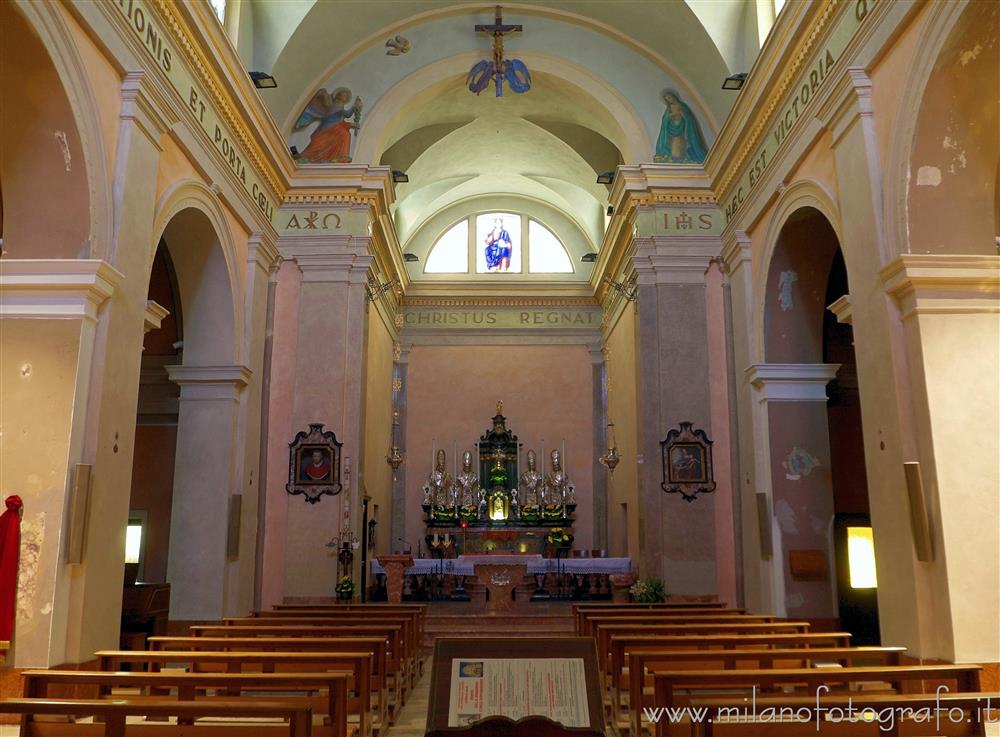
(680, 140)
(499, 247)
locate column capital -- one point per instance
(850, 99)
(673, 260)
(145, 104)
(153, 317)
(55, 288)
(737, 251)
(262, 252)
(841, 309)
(943, 284)
(332, 259)
(791, 382)
(210, 382)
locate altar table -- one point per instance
(463, 565)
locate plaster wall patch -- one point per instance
(795, 601)
(32, 536)
(785, 515)
(785, 281)
(798, 463)
(970, 55)
(928, 176)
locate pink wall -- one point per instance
(547, 393)
(153, 491)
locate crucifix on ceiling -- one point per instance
(498, 69)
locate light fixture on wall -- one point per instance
(410, 257)
(629, 291)
(610, 458)
(734, 81)
(606, 177)
(263, 80)
(374, 290)
(399, 176)
(294, 151)
(395, 457)
(589, 258)
(611, 210)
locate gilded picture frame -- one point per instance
(314, 464)
(687, 462)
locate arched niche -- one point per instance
(46, 211)
(953, 164)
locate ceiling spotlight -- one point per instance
(410, 257)
(606, 177)
(611, 210)
(294, 150)
(589, 258)
(734, 81)
(399, 177)
(263, 80)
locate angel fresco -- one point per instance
(680, 140)
(330, 142)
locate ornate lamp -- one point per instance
(610, 458)
(395, 456)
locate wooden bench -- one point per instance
(397, 661)
(641, 661)
(707, 606)
(604, 632)
(383, 709)
(358, 665)
(923, 713)
(590, 621)
(667, 684)
(113, 713)
(194, 686)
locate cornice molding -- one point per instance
(669, 260)
(55, 288)
(512, 302)
(210, 383)
(153, 316)
(262, 251)
(842, 310)
(144, 104)
(943, 284)
(791, 382)
(737, 251)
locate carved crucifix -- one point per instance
(512, 69)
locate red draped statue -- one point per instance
(10, 549)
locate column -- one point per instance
(204, 481)
(793, 399)
(400, 376)
(949, 307)
(600, 473)
(677, 537)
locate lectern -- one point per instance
(394, 566)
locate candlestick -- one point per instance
(543, 457)
(454, 459)
(433, 452)
(563, 458)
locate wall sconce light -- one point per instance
(374, 290)
(629, 291)
(263, 80)
(294, 151)
(395, 456)
(606, 177)
(589, 258)
(410, 257)
(399, 177)
(611, 458)
(734, 81)
(611, 210)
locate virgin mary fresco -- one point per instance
(680, 140)
(331, 140)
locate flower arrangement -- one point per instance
(553, 511)
(648, 591)
(559, 538)
(444, 513)
(344, 588)
(531, 512)
(468, 512)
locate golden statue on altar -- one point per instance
(498, 501)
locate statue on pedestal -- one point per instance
(467, 492)
(439, 491)
(531, 486)
(558, 488)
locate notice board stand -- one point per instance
(528, 648)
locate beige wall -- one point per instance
(377, 478)
(623, 485)
(546, 391)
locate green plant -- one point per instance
(345, 588)
(559, 537)
(649, 591)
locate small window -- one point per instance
(450, 255)
(133, 541)
(861, 557)
(546, 254)
(498, 243)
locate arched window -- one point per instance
(498, 243)
(219, 7)
(450, 255)
(546, 254)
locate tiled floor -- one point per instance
(412, 718)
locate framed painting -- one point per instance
(687, 462)
(314, 464)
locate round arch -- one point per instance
(48, 23)
(190, 219)
(800, 195)
(632, 139)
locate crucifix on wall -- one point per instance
(513, 70)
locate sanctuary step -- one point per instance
(467, 619)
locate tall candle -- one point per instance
(543, 457)
(454, 458)
(434, 442)
(563, 458)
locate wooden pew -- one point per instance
(383, 709)
(194, 686)
(581, 613)
(604, 632)
(812, 716)
(623, 643)
(359, 665)
(393, 631)
(591, 620)
(702, 606)
(702, 683)
(418, 611)
(297, 714)
(643, 660)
